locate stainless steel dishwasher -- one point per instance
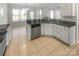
(35, 30)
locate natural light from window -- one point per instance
(40, 14)
(23, 14)
(1, 12)
(51, 14)
(31, 15)
(19, 14)
(16, 14)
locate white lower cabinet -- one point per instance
(72, 35)
(58, 29)
(68, 35)
(9, 35)
(42, 29)
(47, 29)
(63, 33)
(54, 30)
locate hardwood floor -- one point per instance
(42, 46)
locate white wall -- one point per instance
(78, 13)
(4, 19)
(20, 6)
(10, 7)
(44, 7)
(46, 10)
(34, 9)
(7, 18)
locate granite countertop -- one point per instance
(67, 23)
(3, 27)
(3, 30)
(32, 22)
(53, 21)
(61, 22)
(2, 35)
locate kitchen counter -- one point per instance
(32, 22)
(3, 30)
(53, 21)
(63, 30)
(4, 27)
(3, 34)
(60, 22)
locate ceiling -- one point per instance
(38, 4)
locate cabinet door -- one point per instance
(48, 29)
(42, 29)
(64, 34)
(66, 9)
(45, 29)
(58, 31)
(72, 35)
(9, 35)
(54, 30)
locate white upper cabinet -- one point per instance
(67, 9)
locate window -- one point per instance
(19, 14)
(16, 14)
(51, 14)
(1, 12)
(23, 14)
(31, 15)
(40, 14)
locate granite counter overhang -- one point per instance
(4, 27)
(53, 21)
(3, 31)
